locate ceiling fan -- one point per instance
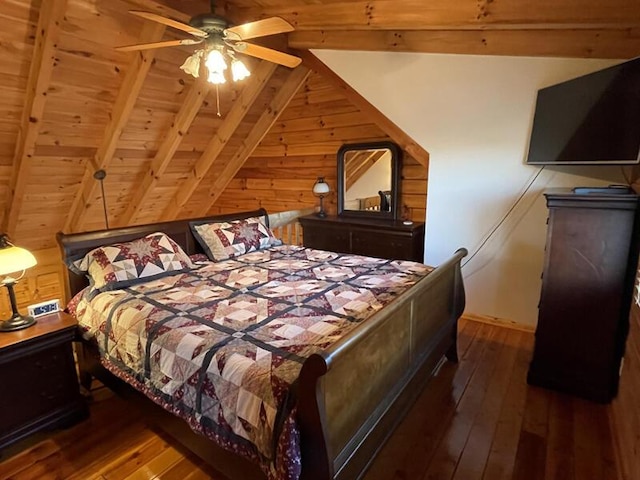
(221, 41)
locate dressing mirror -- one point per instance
(369, 180)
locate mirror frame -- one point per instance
(396, 166)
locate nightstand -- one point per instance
(38, 378)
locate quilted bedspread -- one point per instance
(222, 345)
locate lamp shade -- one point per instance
(15, 259)
(215, 61)
(321, 187)
(239, 70)
(192, 65)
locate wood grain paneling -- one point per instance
(303, 144)
(123, 106)
(586, 43)
(41, 68)
(445, 15)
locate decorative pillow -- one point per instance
(72, 306)
(230, 239)
(123, 264)
(199, 258)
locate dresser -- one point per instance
(383, 238)
(38, 374)
(587, 282)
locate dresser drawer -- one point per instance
(374, 238)
(327, 238)
(41, 382)
(382, 245)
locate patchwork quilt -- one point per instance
(221, 345)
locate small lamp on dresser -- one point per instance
(14, 259)
(320, 189)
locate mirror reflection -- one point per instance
(368, 179)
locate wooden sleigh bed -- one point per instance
(350, 396)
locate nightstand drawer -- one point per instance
(39, 380)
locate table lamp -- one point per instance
(320, 189)
(14, 259)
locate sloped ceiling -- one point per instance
(70, 104)
(566, 28)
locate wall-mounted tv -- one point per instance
(593, 119)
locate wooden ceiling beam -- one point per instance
(588, 43)
(172, 138)
(370, 112)
(226, 173)
(458, 15)
(42, 62)
(255, 84)
(127, 95)
(163, 9)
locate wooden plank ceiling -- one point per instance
(566, 28)
(72, 104)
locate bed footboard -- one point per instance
(354, 394)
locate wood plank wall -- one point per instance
(302, 146)
(43, 282)
(625, 408)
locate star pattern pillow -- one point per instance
(230, 239)
(122, 264)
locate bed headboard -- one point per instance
(76, 245)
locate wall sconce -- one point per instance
(14, 259)
(320, 189)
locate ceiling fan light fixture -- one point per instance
(192, 64)
(217, 78)
(239, 70)
(215, 62)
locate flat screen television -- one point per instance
(593, 119)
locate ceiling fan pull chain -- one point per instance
(218, 100)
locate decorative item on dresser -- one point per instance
(369, 180)
(39, 381)
(373, 237)
(14, 259)
(587, 284)
(320, 190)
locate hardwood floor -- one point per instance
(476, 420)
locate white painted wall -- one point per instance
(473, 115)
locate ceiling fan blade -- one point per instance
(168, 43)
(269, 54)
(171, 23)
(261, 28)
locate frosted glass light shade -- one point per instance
(239, 70)
(217, 78)
(215, 61)
(192, 65)
(321, 187)
(15, 259)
